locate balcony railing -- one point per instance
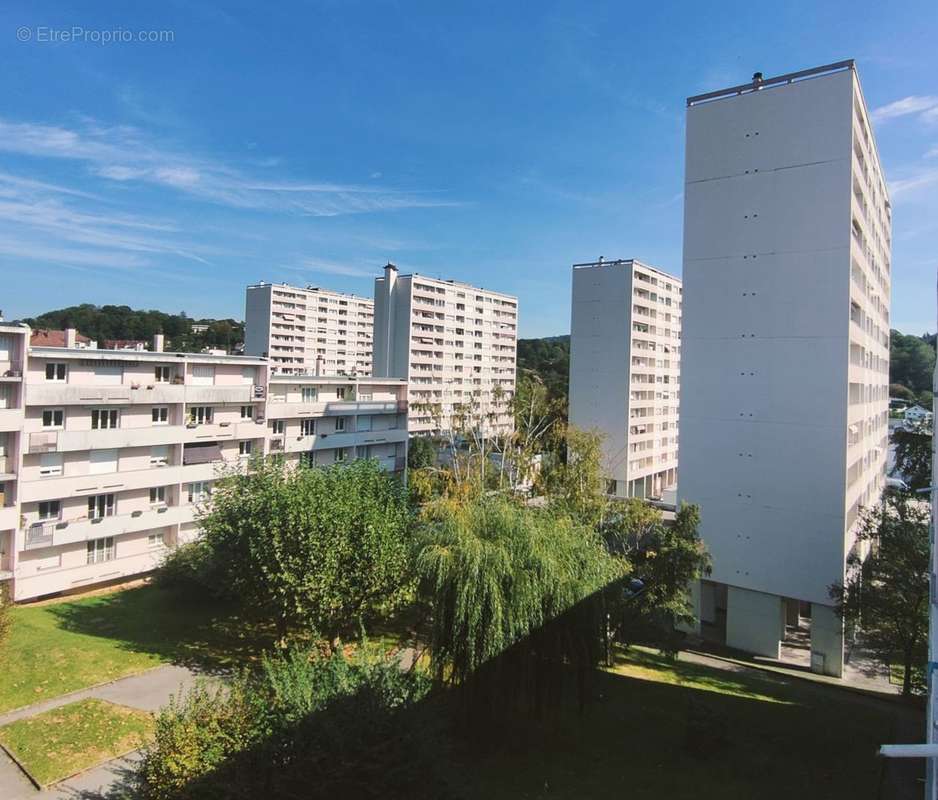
(45, 442)
(40, 535)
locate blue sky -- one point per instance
(495, 143)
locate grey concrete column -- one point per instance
(827, 641)
(755, 621)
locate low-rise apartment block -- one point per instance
(454, 344)
(108, 454)
(625, 366)
(328, 420)
(308, 330)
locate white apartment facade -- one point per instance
(325, 420)
(308, 330)
(625, 367)
(454, 344)
(109, 454)
(786, 349)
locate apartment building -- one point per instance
(454, 344)
(309, 330)
(786, 349)
(323, 420)
(110, 453)
(625, 367)
(14, 343)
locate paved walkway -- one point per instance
(147, 691)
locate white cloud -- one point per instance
(124, 153)
(332, 268)
(927, 106)
(922, 179)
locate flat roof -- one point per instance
(756, 85)
(620, 262)
(310, 288)
(452, 282)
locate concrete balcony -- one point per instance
(11, 419)
(81, 485)
(81, 530)
(328, 441)
(9, 518)
(334, 408)
(64, 394)
(65, 441)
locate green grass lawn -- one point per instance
(58, 743)
(63, 646)
(60, 647)
(663, 730)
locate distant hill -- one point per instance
(122, 322)
(548, 358)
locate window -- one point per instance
(161, 374)
(160, 415)
(340, 454)
(309, 394)
(339, 424)
(340, 392)
(307, 427)
(56, 372)
(277, 427)
(100, 506)
(200, 415)
(100, 550)
(203, 375)
(244, 449)
(50, 464)
(247, 412)
(103, 418)
(157, 495)
(155, 540)
(199, 491)
(50, 509)
(101, 461)
(159, 455)
(53, 418)
(365, 396)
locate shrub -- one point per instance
(186, 567)
(303, 725)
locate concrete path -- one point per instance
(147, 691)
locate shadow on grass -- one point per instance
(199, 632)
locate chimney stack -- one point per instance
(70, 335)
(157, 342)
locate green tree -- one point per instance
(421, 452)
(913, 454)
(496, 576)
(667, 558)
(911, 361)
(314, 548)
(902, 392)
(573, 479)
(885, 596)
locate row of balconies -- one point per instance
(115, 438)
(46, 394)
(56, 533)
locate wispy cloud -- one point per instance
(919, 180)
(924, 105)
(125, 154)
(316, 265)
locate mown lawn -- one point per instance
(662, 730)
(56, 744)
(59, 647)
(63, 646)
